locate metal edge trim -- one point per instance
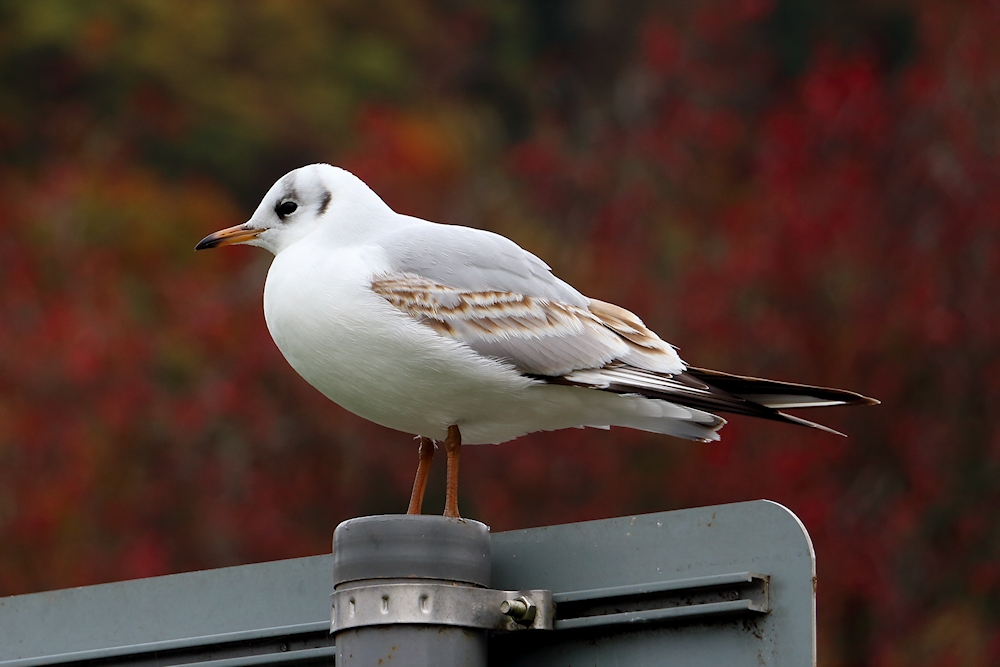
(660, 587)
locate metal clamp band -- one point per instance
(441, 604)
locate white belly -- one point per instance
(378, 362)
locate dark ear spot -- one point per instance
(324, 202)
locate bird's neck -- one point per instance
(360, 221)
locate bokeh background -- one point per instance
(795, 189)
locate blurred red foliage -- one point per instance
(782, 189)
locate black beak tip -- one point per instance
(207, 242)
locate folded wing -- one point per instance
(503, 302)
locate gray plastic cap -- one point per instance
(395, 546)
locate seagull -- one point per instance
(457, 334)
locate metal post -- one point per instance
(420, 623)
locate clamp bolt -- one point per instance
(520, 609)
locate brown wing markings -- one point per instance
(627, 325)
(492, 321)
(490, 312)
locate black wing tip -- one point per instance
(745, 386)
(857, 399)
(792, 419)
(847, 398)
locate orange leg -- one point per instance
(420, 481)
(452, 445)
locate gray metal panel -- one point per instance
(759, 536)
(256, 603)
(179, 606)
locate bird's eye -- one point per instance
(285, 208)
